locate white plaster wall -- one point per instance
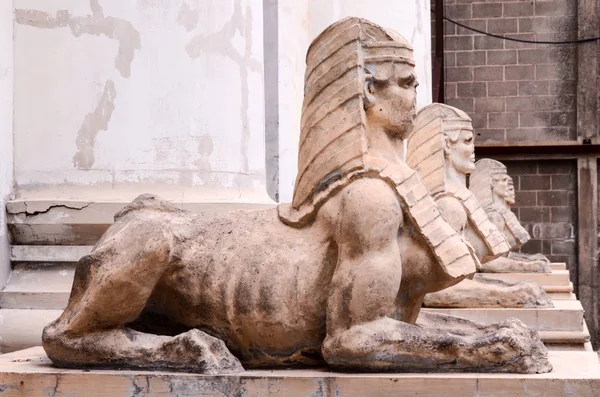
(300, 21)
(6, 124)
(139, 92)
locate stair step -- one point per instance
(48, 253)
(58, 221)
(566, 315)
(38, 287)
(558, 278)
(21, 329)
(558, 266)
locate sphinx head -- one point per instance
(441, 147)
(359, 89)
(510, 192)
(490, 183)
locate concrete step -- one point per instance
(48, 253)
(566, 316)
(558, 278)
(558, 266)
(562, 296)
(30, 373)
(55, 219)
(21, 329)
(38, 287)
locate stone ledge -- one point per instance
(29, 373)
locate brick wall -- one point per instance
(546, 193)
(513, 91)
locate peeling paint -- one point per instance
(96, 24)
(211, 44)
(94, 122)
(188, 17)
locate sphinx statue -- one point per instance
(495, 190)
(334, 278)
(441, 149)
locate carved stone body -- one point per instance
(336, 277)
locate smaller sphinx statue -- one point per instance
(442, 151)
(495, 190)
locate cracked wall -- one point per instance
(124, 93)
(6, 136)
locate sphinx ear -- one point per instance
(446, 145)
(369, 90)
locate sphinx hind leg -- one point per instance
(111, 288)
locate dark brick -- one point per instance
(502, 88)
(533, 56)
(483, 10)
(519, 9)
(503, 120)
(459, 12)
(564, 119)
(479, 120)
(557, 134)
(502, 57)
(523, 72)
(555, 7)
(555, 230)
(556, 167)
(546, 247)
(563, 247)
(489, 104)
(562, 214)
(470, 58)
(521, 134)
(551, 24)
(519, 104)
(532, 247)
(459, 74)
(553, 72)
(534, 119)
(479, 24)
(488, 43)
(521, 167)
(450, 90)
(489, 73)
(465, 104)
(524, 198)
(458, 43)
(563, 182)
(503, 25)
(535, 182)
(510, 44)
(555, 103)
(533, 214)
(489, 135)
(553, 198)
(471, 90)
(450, 59)
(527, 88)
(526, 26)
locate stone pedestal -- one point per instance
(29, 373)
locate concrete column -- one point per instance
(300, 21)
(6, 130)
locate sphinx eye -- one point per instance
(409, 82)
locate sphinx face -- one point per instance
(500, 187)
(395, 102)
(510, 192)
(462, 153)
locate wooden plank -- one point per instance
(588, 285)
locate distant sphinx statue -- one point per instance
(337, 277)
(441, 149)
(495, 190)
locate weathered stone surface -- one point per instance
(490, 293)
(336, 277)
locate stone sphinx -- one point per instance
(337, 277)
(441, 149)
(495, 190)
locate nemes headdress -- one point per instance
(332, 139)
